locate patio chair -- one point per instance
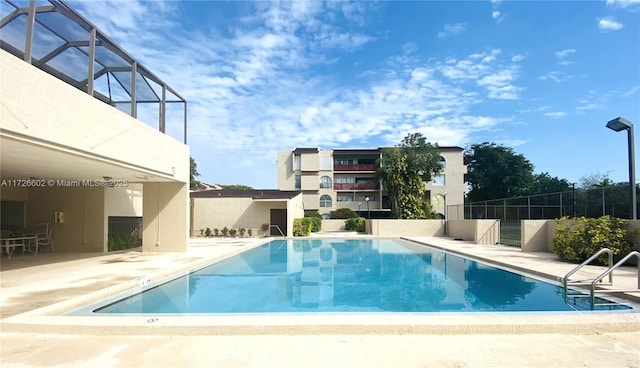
(46, 239)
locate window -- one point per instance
(344, 161)
(298, 182)
(345, 180)
(325, 182)
(296, 162)
(443, 163)
(438, 180)
(325, 201)
(345, 198)
(362, 197)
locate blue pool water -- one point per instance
(332, 275)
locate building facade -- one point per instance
(73, 154)
(345, 178)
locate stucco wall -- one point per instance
(333, 225)
(83, 229)
(242, 212)
(407, 227)
(478, 231)
(125, 201)
(43, 110)
(537, 235)
(40, 106)
(165, 224)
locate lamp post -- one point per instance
(359, 213)
(444, 195)
(368, 210)
(619, 124)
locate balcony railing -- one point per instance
(355, 186)
(364, 167)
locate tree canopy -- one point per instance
(545, 183)
(495, 171)
(237, 187)
(193, 183)
(403, 171)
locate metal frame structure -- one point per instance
(52, 36)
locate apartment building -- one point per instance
(345, 178)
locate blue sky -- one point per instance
(542, 77)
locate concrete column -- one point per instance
(165, 217)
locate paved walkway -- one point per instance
(29, 282)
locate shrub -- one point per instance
(316, 220)
(355, 224)
(241, 232)
(344, 213)
(232, 233)
(207, 232)
(225, 231)
(302, 226)
(216, 232)
(121, 243)
(249, 232)
(578, 239)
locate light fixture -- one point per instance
(620, 124)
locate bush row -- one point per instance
(579, 238)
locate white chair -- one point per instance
(44, 237)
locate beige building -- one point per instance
(264, 212)
(72, 153)
(345, 178)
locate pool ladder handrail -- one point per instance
(566, 281)
(278, 228)
(598, 279)
(609, 272)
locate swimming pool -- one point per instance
(343, 275)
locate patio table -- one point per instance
(10, 244)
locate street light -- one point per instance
(359, 213)
(368, 211)
(619, 124)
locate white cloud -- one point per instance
(631, 91)
(256, 87)
(555, 115)
(556, 76)
(452, 30)
(537, 109)
(609, 24)
(517, 58)
(563, 55)
(623, 3)
(495, 14)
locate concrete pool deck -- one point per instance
(34, 287)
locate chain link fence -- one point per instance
(613, 201)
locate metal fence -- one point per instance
(124, 232)
(613, 201)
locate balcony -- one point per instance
(363, 167)
(355, 186)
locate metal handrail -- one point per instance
(609, 272)
(277, 227)
(565, 280)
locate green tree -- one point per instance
(403, 171)
(495, 171)
(545, 183)
(193, 183)
(237, 187)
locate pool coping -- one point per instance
(47, 320)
